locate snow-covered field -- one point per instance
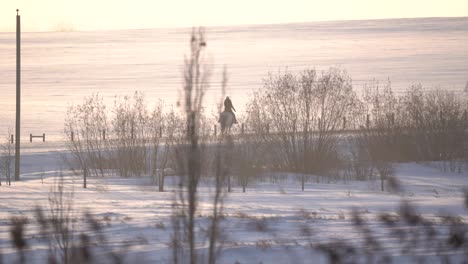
(60, 68)
(269, 223)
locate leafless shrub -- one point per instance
(159, 153)
(420, 125)
(382, 141)
(58, 228)
(384, 122)
(60, 223)
(371, 152)
(247, 161)
(414, 233)
(393, 185)
(160, 225)
(6, 159)
(79, 245)
(137, 132)
(127, 142)
(438, 120)
(304, 214)
(17, 233)
(260, 224)
(84, 126)
(129, 127)
(242, 215)
(297, 117)
(175, 142)
(359, 164)
(264, 244)
(338, 252)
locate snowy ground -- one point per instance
(265, 224)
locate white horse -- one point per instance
(226, 119)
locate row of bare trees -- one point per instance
(315, 123)
(297, 123)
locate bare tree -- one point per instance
(197, 155)
(195, 83)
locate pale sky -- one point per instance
(53, 15)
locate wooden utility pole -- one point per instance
(18, 96)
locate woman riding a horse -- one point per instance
(227, 118)
(228, 107)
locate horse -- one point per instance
(226, 119)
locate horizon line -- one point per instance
(72, 29)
